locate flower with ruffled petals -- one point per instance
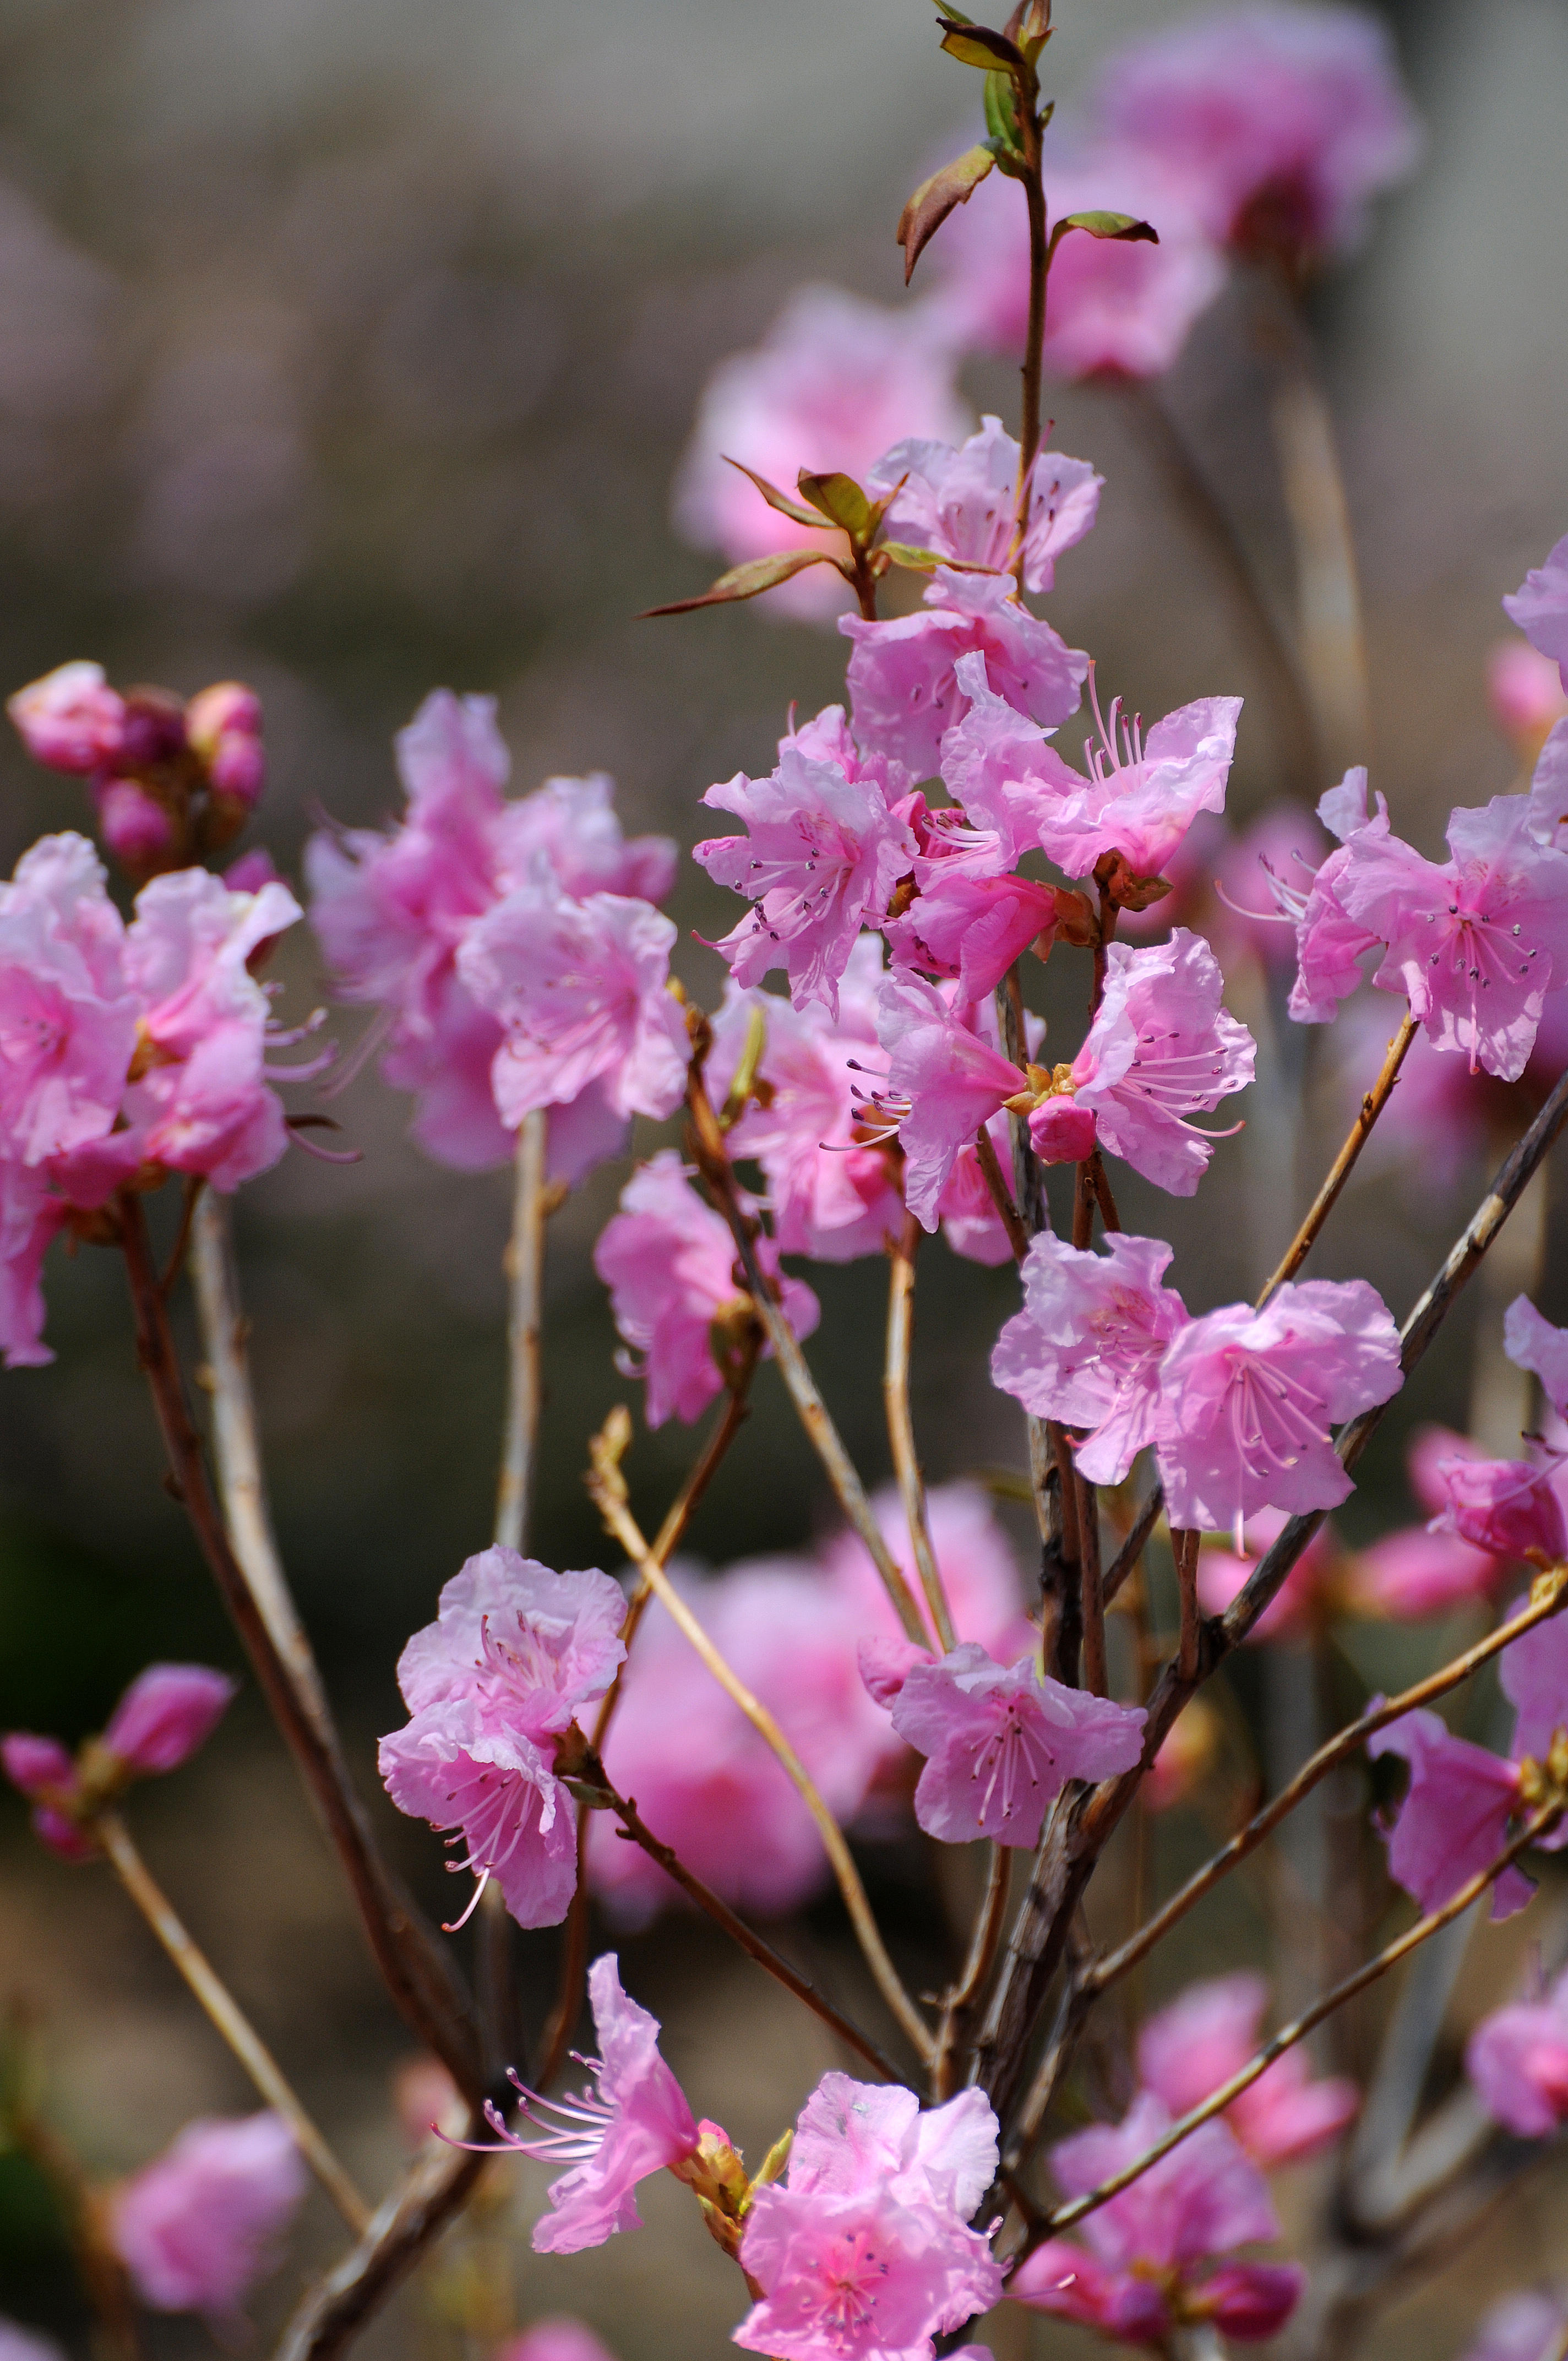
(1206, 2035)
(1518, 2060)
(1161, 1047)
(1511, 1508)
(1000, 1744)
(1086, 1348)
(1455, 1817)
(970, 927)
(963, 503)
(1330, 944)
(1533, 1673)
(490, 1685)
(1248, 1400)
(1533, 1344)
(1540, 608)
(67, 1013)
(943, 1080)
(197, 2228)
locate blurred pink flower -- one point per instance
(1088, 1344)
(136, 828)
(223, 726)
(490, 1685)
(71, 720)
(903, 678)
(1533, 1672)
(1416, 1572)
(1540, 608)
(834, 382)
(1286, 844)
(1161, 1048)
(1533, 1344)
(1520, 2328)
(963, 503)
(1280, 122)
(45, 1772)
(1248, 1400)
(979, 1571)
(1526, 694)
(556, 2338)
(669, 1262)
(19, 2343)
(1307, 1593)
(165, 1715)
(1001, 1744)
(943, 1081)
(1455, 1817)
(68, 1012)
(1207, 2033)
(198, 2228)
(1511, 1508)
(1518, 2060)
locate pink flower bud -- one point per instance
(165, 1715)
(72, 719)
(1060, 1131)
(154, 729)
(1253, 2300)
(43, 1770)
(136, 829)
(1507, 1506)
(223, 726)
(250, 872)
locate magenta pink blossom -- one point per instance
(72, 719)
(902, 677)
(943, 1081)
(832, 384)
(1518, 2060)
(1540, 608)
(824, 852)
(223, 727)
(1520, 2328)
(1001, 1744)
(1533, 1344)
(1210, 2033)
(963, 503)
(1148, 2249)
(1511, 1508)
(1087, 1347)
(490, 1685)
(968, 926)
(1416, 1572)
(669, 1262)
(198, 2228)
(1533, 1672)
(864, 2251)
(45, 1772)
(1330, 944)
(1161, 1048)
(68, 1013)
(165, 1715)
(1248, 1400)
(1455, 1818)
(1281, 122)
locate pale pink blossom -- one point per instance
(1281, 122)
(669, 1262)
(1210, 2033)
(635, 2121)
(198, 2227)
(572, 826)
(1149, 2250)
(1161, 1048)
(490, 1685)
(30, 1214)
(967, 927)
(902, 677)
(943, 1081)
(68, 1013)
(1330, 945)
(1248, 1400)
(979, 1571)
(1548, 790)
(865, 2250)
(1540, 608)
(1087, 1347)
(1307, 1597)
(581, 990)
(1533, 1344)
(1520, 2328)
(1526, 694)
(963, 503)
(1000, 1744)
(1454, 1822)
(1518, 2060)
(1114, 309)
(832, 384)
(558, 2337)
(72, 719)
(824, 852)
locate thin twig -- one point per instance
(1001, 1195)
(525, 1274)
(985, 1943)
(1185, 1549)
(619, 1521)
(1299, 2028)
(111, 1832)
(1137, 1542)
(399, 2230)
(418, 1974)
(713, 1162)
(1340, 1171)
(1546, 1599)
(1095, 1676)
(189, 1195)
(901, 1253)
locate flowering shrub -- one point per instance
(650, 1738)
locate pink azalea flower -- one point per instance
(1248, 1400)
(1001, 1744)
(1286, 844)
(669, 1262)
(704, 1780)
(1306, 1595)
(1281, 122)
(1534, 1675)
(1510, 1507)
(1417, 1573)
(634, 2121)
(30, 1213)
(832, 384)
(581, 991)
(964, 503)
(943, 1081)
(832, 1197)
(1148, 2249)
(490, 1685)
(1161, 1048)
(1526, 694)
(979, 1571)
(1518, 2060)
(1548, 790)
(864, 2249)
(1533, 1344)
(823, 855)
(68, 1015)
(1088, 1344)
(557, 2338)
(1330, 944)
(1520, 2328)
(72, 719)
(1455, 1818)
(970, 928)
(971, 1223)
(165, 1715)
(198, 2228)
(1540, 608)
(571, 825)
(902, 677)
(1115, 309)
(1206, 2035)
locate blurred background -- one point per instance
(351, 351)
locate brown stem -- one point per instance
(1340, 1171)
(1001, 1195)
(189, 1197)
(901, 1253)
(1137, 1542)
(1035, 334)
(401, 2227)
(1095, 1677)
(111, 1832)
(984, 1944)
(525, 1272)
(1185, 1548)
(418, 1974)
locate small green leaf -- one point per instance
(840, 499)
(953, 15)
(774, 498)
(777, 2157)
(923, 561)
(1001, 120)
(977, 45)
(746, 581)
(1123, 227)
(935, 198)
